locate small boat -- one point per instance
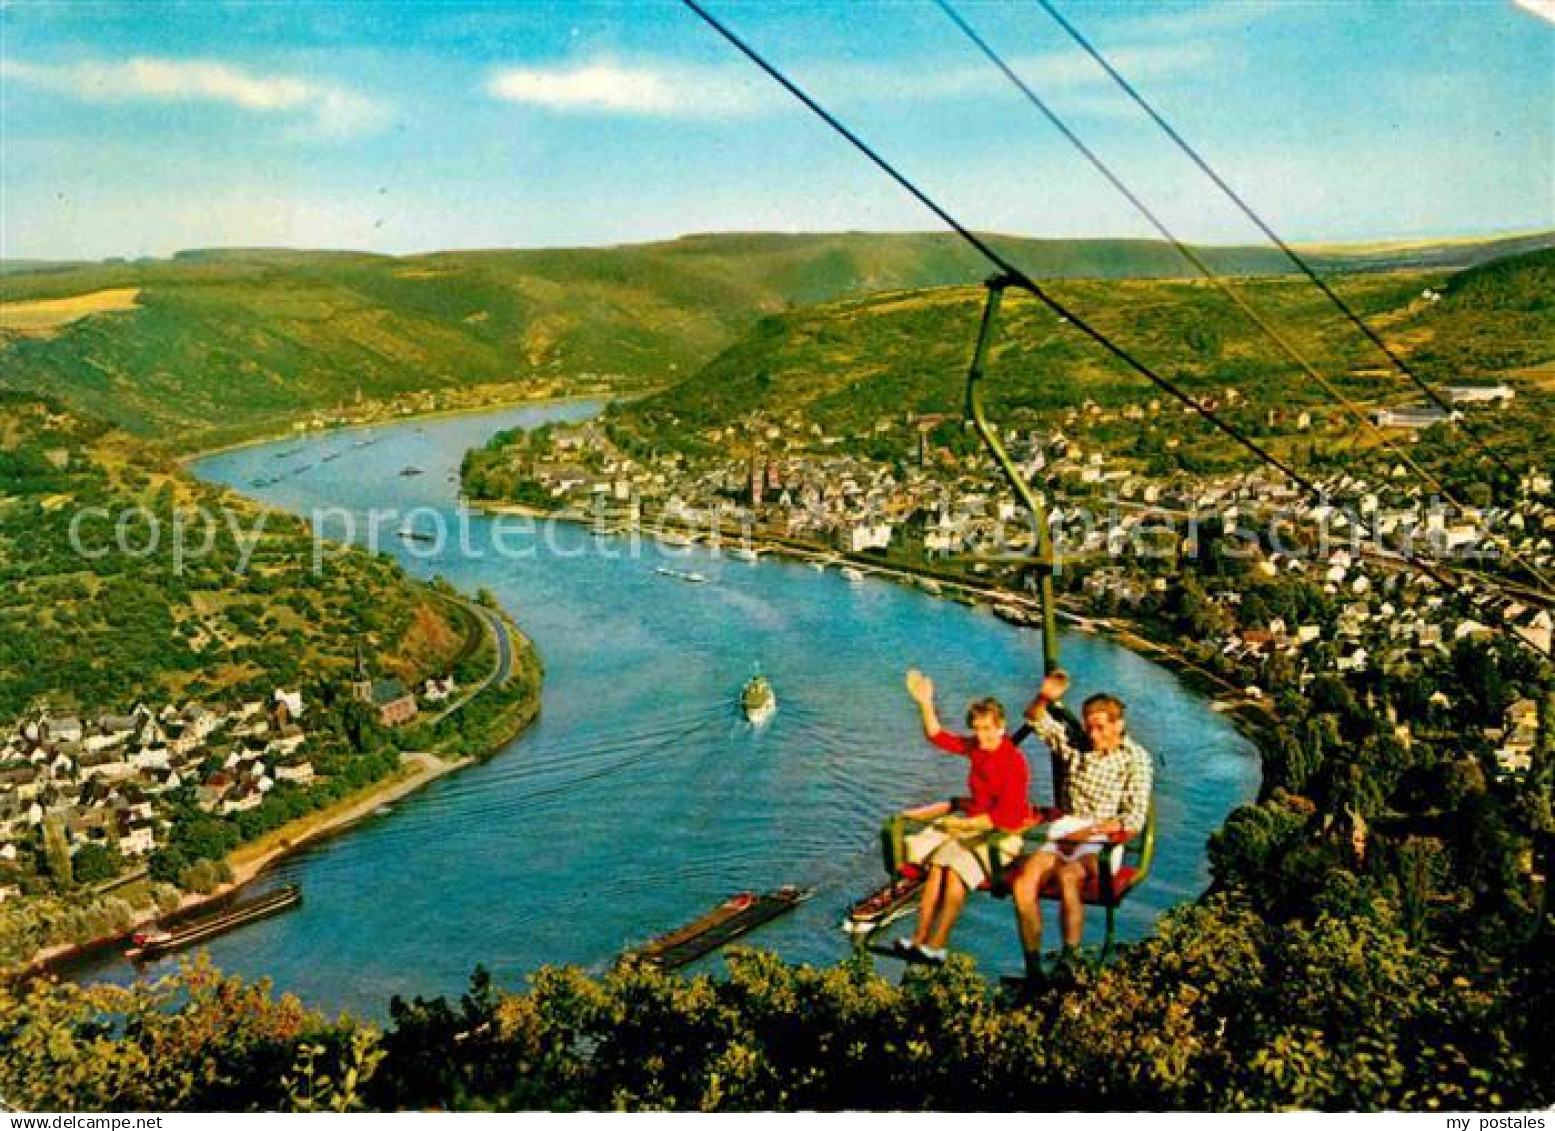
(758, 700)
(736, 916)
(745, 554)
(931, 586)
(331, 456)
(819, 567)
(854, 575)
(883, 906)
(1016, 615)
(669, 538)
(157, 941)
(407, 472)
(410, 534)
(682, 575)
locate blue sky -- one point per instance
(142, 128)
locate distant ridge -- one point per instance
(1382, 255)
(847, 364)
(220, 343)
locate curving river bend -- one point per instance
(640, 799)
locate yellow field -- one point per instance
(44, 316)
(1379, 247)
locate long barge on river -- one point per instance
(736, 916)
(157, 941)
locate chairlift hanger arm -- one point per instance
(976, 413)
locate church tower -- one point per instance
(361, 685)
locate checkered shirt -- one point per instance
(1100, 786)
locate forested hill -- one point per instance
(96, 629)
(845, 365)
(213, 345)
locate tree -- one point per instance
(95, 863)
(56, 853)
(1481, 685)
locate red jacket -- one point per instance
(998, 780)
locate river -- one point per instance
(641, 798)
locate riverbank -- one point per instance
(250, 861)
(1251, 716)
(515, 711)
(390, 417)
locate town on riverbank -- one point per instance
(1235, 578)
(109, 820)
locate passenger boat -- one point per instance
(852, 574)
(736, 916)
(758, 700)
(157, 941)
(883, 906)
(682, 575)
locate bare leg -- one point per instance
(1071, 881)
(928, 910)
(1026, 889)
(949, 908)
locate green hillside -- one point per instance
(847, 364)
(215, 345)
(97, 629)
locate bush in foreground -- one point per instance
(1218, 1011)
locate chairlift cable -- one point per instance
(1204, 269)
(1017, 275)
(1290, 253)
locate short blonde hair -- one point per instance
(988, 706)
(1110, 705)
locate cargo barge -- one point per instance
(736, 916)
(154, 942)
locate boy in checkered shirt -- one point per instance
(1106, 780)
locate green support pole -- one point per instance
(1044, 563)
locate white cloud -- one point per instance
(1542, 8)
(649, 89)
(325, 108)
(661, 89)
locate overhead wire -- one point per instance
(1290, 253)
(1006, 266)
(1215, 279)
